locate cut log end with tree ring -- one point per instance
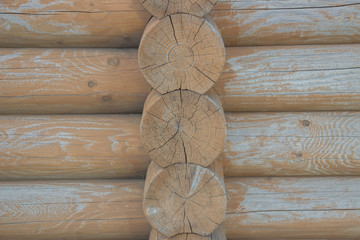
(184, 198)
(218, 234)
(183, 127)
(181, 51)
(162, 8)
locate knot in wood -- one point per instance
(183, 127)
(162, 8)
(181, 51)
(184, 198)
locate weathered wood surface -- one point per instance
(93, 209)
(185, 198)
(181, 51)
(183, 127)
(65, 147)
(293, 208)
(94, 23)
(296, 78)
(292, 144)
(258, 208)
(108, 146)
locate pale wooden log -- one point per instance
(93, 209)
(109, 146)
(319, 78)
(38, 81)
(293, 208)
(181, 51)
(258, 208)
(292, 144)
(183, 127)
(68, 147)
(94, 23)
(218, 234)
(161, 8)
(184, 198)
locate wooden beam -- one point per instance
(266, 208)
(48, 81)
(108, 146)
(93, 209)
(27, 23)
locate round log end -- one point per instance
(218, 234)
(181, 51)
(184, 198)
(161, 8)
(183, 127)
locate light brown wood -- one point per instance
(184, 198)
(319, 78)
(292, 144)
(218, 234)
(258, 208)
(293, 208)
(93, 209)
(183, 127)
(161, 8)
(38, 81)
(95, 23)
(71, 146)
(109, 146)
(181, 51)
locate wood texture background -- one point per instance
(108, 146)
(94, 23)
(287, 78)
(266, 208)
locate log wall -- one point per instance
(94, 23)
(293, 78)
(108, 146)
(266, 208)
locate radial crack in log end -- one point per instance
(218, 234)
(184, 198)
(183, 127)
(162, 8)
(181, 51)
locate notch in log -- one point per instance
(181, 51)
(185, 198)
(218, 234)
(162, 8)
(183, 127)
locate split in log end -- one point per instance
(218, 234)
(184, 198)
(181, 51)
(161, 8)
(183, 127)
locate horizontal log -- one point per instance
(93, 209)
(296, 78)
(258, 208)
(108, 146)
(94, 23)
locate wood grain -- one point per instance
(108, 146)
(95, 23)
(292, 144)
(183, 127)
(293, 208)
(36, 81)
(93, 209)
(258, 208)
(296, 78)
(181, 51)
(65, 147)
